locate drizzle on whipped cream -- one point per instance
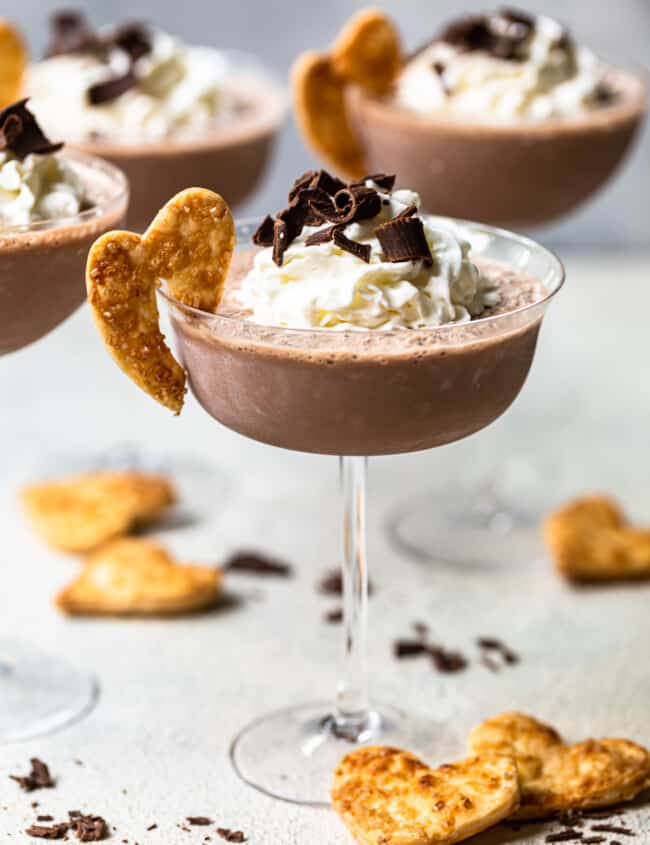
(178, 90)
(326, 287)
(531, 68)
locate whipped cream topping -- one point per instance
(40, 187)
(181, 91)
(325, 287)
(550, 77)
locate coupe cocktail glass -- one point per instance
(355, 394)
(41, 284)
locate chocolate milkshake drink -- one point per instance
(502, 117)
(53, 205)
(168, 114)
(350, 324)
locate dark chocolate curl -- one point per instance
(501, 35)
(319, 180)
(20, 133)
(403, 239)
(280, 241)
(321, 206)
(106, 92)
(70, 33)
(357, 203)
(382, 180)
(134, 39)
(361, 251)
(322, 236)
(264, 234)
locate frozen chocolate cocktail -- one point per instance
(167, 113)
(349, 323)
(53, 205)
(502, 117)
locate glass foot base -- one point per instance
(486, 530)
(291, 754)
(39, 694)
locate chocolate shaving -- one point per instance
(331, 584)
(356, 203)
(70, 33)
(611, 828)
(321, 206)
(54, 831)
(88, 828)
(256, 564)
(409, 648)
(198, 821)
(361, 251)
(334, 616)
(322, 236)
(134, 39)
(501, 35)
(280, 241)
(264, 233)
(319, 180)
(564, 836)
(111, 89)
(403, 239)
(44, 818)
(447, 661)
(594, 840)
(382, 180)
(38, 778)
(20, 133)
(231, 835)
(493, 644)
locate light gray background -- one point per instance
(277, 31)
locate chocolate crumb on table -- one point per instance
(255, 563)
(231, 835)
(571, 834)
(54, 831)
(611, 828)
(198, 821)
(152, 826)
(38, 778)
(331, 584)
(334, 616)
(409, 648)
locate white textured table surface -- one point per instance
(173, 693)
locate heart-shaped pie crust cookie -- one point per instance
(591, 540)
(388, 797)
(189, 244)
(554, 777)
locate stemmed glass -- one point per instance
(355, 394)
(41, 284)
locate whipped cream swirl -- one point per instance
(325, 287)
(550, 77)
(40, 187)
(181, 91)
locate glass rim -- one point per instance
(114, 199)
(555, 263)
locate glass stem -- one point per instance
(352, 715)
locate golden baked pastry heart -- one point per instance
(189, 244)
(133, 577)
(368, 51)
(79, 514)
(388, 797)
(591, 540)
(554, 777)
(13, 63)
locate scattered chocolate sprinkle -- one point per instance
(54, 831)
(322, 236)
(111, 89)
(495, 645)
(361, 251)
(231, 835)
(611, 828)
(594, 840)
(447, 661)
(38, 778)
(564, 835)
(264, 233)
(331, 584)
(20, 133)
(409, 648)
(489, 663)
(198, 821)
(334, 616)
(88, 828)
(44, 818)
(403, 239)
(421, 629)
(606, 813)
(256, 564)
(152, 826)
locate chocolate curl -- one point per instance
(70, 33)
(357, 203)
(280, 241)
(319, 180)
(382, 180)
(20, 133)
(111, 89)
(322, 236)
(264, 233)
(134, 39)
(403, 239)
(361, 251)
